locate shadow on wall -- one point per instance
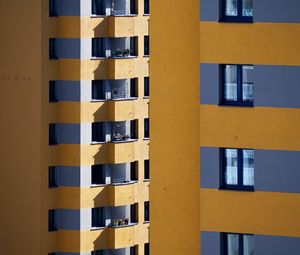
(102, 28)
(102, 113)
(102, 240)
(101, 155)
(102, 197)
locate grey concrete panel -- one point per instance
(85, 218)
(68, 219)
(277, 86)
(85, 7)
(276, 11)
(209, 10)
(68, 7)
(209, 167)
(85, 133)
(67, 133)
(210, 243)
(68, 176)
(277, 171)
(67, 47)
(209, 84)
(67, 90)
(85, 90)
(276, 245)
(85, 176)
(86, 48)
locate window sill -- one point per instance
(122, 57)
(97, 228)
(123, 183)
(98, 185)
(146, 56)
(146, 139)
(146, 97)
(98, 58)
(124, 226)
(146, 180)
(226, 20)
(97, 100)
(123, 99)
(125, 141)
(98, 16)
(93, 143)
(125, 15)
(146, 222)
(236, 104)
(243, 189)
(146, 14)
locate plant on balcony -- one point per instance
(126, 137)
(121, 53)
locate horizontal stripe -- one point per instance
(263, 11)
(274, 86)
(263, 244)
(274, 170)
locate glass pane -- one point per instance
(248, 167)
(232, 244)
(230, 86)
(231, 8)
(248, 8)
(231, 165)
(248, 244)
(247, 83)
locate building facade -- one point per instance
(226, 104)
(79, 72)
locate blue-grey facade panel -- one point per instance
(209, 84)
(274, 170)
(209, 10)
(274, 86)
(277, 171)
(276, 11)
(209, 167)
(68, 7)
(66, 133)
(68, 219)
(67, 48)
(68, 176)
(277, 86)
(67, 90)
(210, 243)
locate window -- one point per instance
(146, 211)
(146, 249)
(146, 45)
(146, 169)
(146, 7)
(134, 46)
(237, 10)
(238, 244)
(133, 87)
(52, 177)
(52, 8)
(98, 132)
(98, 7)
(52, 134)
(133, 171)
(133, 7)
(98, 175)
(134, 213)
(52, 220)
(98, 47)
(98, 92)
(146, 128)
(98, 252)
(146, 87)
(238, 169)
(98, 217)
(133, 129)
(52, 48)
(237, 85)
(52, 92)
(134, 250)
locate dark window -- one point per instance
(146, 128)
(98, 47)
(133, 129)
(146, 169)
(98, 92)
(98, 132)
(146, 249)
(98, 217)
(237, 10)
(98, 7)
(146, 211)
(133, 7)
(237, 244)
(52, 48)
(52, 134)
(134, 46)
(52, 220)
(98, 174)
(146, 87)
(133, 171)
(52, 92)
(134, 213)
(99, 252)
(146, 7)
(52, 8)
(133, 87)
(52, 177)
(133, 250)
(146, 45)
(237, 85)
(237, 169)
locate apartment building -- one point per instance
(225, 103)
(75, 99)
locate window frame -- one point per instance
(146, 211)
(224, 242)
(146, 169)
(146, 7)
(240, 171)
(237, 19)
(146, 45)
(146, 87)
(239, 74)
(98, 222)
(146, 128)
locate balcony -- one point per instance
(121, 236)
(122, 193)
(121, 151)
(120, 26)
(118, 110)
